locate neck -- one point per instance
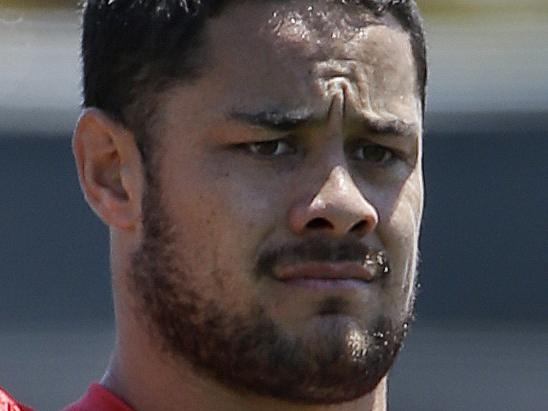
(148, 379)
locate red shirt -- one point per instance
(7, 403)
(97, 398)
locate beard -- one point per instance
(250, 352)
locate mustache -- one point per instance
(324, 250)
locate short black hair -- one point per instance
(132, 50)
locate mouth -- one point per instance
(327, 274)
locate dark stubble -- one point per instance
(251, 353)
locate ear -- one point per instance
(110, 169)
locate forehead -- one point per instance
(289, 52)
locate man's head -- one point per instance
(259, 164)
(135, 50)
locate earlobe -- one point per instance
(109, 169)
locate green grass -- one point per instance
(35, 4)
(446, 8)
(458, 8)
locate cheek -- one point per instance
(222, 217)
(212, 195)
(401, 213)
(400, 233)
(244, 203)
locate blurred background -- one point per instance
(481, 337)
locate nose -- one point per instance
(337, 209)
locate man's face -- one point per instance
(282, 216)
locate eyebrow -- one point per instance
(275, 119)
(394, 127)
(280, 120)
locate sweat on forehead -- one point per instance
(317, 20)
(309, 42)
(317, 30)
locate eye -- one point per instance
(271, 148)
(373, 153)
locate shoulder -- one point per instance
(98, 398)
(8, 403)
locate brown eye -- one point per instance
(272, 148)
(374, 153)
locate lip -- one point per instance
(324, 274)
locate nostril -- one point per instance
(359, 228)
(319, 223)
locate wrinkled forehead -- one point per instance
(291, 47)
(320, 25)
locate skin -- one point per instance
(234, 189)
